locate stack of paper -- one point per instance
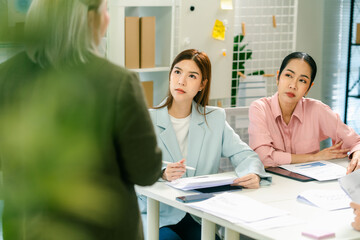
(326, 199)
(320, 170)
(276, 222)
(197, 182)
(351, 185)
(237, 208)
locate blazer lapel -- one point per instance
(196, 138)
(168, 136)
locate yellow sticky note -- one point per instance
(219, 30)
(226, 4)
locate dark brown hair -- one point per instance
(203, 62)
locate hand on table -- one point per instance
(354, 162)
(332, 152)
(248, 181)
(356, 223)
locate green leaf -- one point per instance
(236, 47)
(241, 37)
(236, 39)
(234, 74)
(248, 54)
(233, 92)
(243, 47)
(235, 56)
(257, 73)
(234, 65)
(234, 84)
(233, 101)
(242, 56)
(241, 66)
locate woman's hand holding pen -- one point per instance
(354, 162)
(174, 171)
(251, 180)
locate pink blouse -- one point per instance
(312, 121)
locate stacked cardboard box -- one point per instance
(148, 91)
(139, 42)
(132, 37)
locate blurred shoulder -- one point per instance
(105, 63)
(108, 69)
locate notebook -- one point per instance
(288, 174)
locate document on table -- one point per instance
(325, 199)
(277, 222)
(204, 181)
(237, 208)
(351, 185)
(320, 170)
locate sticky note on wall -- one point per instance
(226, 4)
(219, 30)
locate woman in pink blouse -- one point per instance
(288, 128)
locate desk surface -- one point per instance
(281, 194)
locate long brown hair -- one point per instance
(203, 62)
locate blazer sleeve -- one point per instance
(140, 160)
(242, 157)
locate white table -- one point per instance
(281, 194)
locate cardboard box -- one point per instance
(132, 42)
(147, 42)
(357, 33)
(148, 90)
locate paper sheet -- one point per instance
(226, 4)
(276, 222)
(326, 199)
(237, 208)
(204, 181)
(351, 185)
(320, 170)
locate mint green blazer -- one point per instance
(208, 142)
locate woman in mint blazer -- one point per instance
(190, 131)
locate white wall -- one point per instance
(309, 38)
(195, 32)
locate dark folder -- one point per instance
(286, 173)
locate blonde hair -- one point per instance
(57, 32)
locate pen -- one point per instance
(187, 167)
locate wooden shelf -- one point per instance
(155, 69)
(142, 3)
